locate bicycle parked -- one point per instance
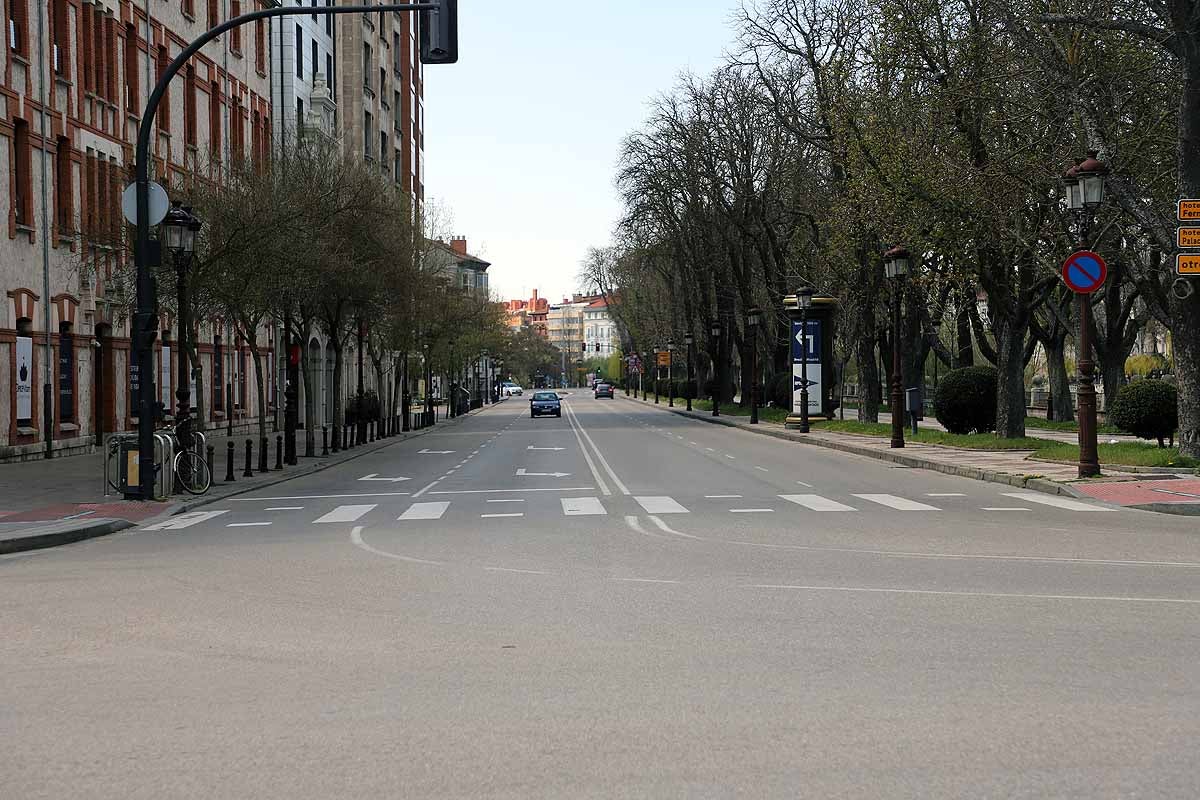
(192, 471)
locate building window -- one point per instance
(63, 196)
(214, 14)
(313, 62)
(260, 46)
(397, 119)
(235, 35)
(313, 3)
(189, 105)
(300, 114)
(367, 69)
(329, 24)
(17, 37)
(66, 373)
(368, 138)
(329, 71)
(189, 8)
(383, 151)
(218, 374)
(396, 62)
(299, 52)
(131, 67)
(110, 59)
(164, 108)
(60, 25)
(214, 118)
(237, 129)
(23, 196)
(96, 62)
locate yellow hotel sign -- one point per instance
(1187, 264)
(1187, 237)
(1188, 211)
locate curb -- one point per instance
(68, 535)
(1034, 482)
(1179, 509)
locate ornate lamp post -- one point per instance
(1084, 185)
(690, 342)
(754, 319)
(804, 297)
(178, 231)
(671, 373)
(895, 265)
(657, 373)
(716, 331)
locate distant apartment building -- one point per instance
(564, 324)
(303, 62)
(379, 89)
(600, 332)
(531, 313)
(70, 104)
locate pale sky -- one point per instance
(522, 134)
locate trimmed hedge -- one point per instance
(966, 400)
(710, 389)
(1148, 409)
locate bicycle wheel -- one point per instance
(193, 472)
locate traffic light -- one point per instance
(439, 33)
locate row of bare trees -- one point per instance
(841, 127)
(319, 241)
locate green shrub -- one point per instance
(1147, 409)
(1143, 365)
(685, 389)
(966, 400)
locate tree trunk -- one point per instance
(964, 351)
(193, 355)
(310, 403)
(1185, 341)
(868, 380)
(1112, 375)
(1010, 379)
(1060, 407)
(338, 419)
(260, 386)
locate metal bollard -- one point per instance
(229, 448)
(279, 452)
(371, 431)
(248, 473)
(262, 455)
(324, 440)
(210, 452)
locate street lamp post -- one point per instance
(895, 264)
(179, 229)
(657, 373)
(671, 373)
(1085, 193)
(442, 47)
(361, 427)
(690, 342)
(642, 374)
(754, 319)
(804, 298)
(719, 377)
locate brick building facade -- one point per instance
(69, 109)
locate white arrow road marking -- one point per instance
(424, 452)
(531, 447)
(521, 473)
(374, 476)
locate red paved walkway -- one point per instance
(1136, 493)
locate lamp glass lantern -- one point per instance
(896, 262)
(671, 345)
(179, 229)
(688, 339)
(1091, 175)
(716, 329)
(754, 317)
(804, 297)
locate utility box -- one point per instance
(914, 403)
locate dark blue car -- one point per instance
(545, 404)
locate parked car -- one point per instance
(544, 404)
(511, 389)
(604, 390)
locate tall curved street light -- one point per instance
(689, 341)
(178, 234)
(719, 378)
(439, 45)
(804, 298)
(754, 320)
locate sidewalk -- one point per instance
(1011, 467)
(48, 503)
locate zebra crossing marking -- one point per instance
(815, 502)
(582, 506)
(898, 503)
(1055, 501)
(660, 504)
(182, 521)
(424, 511)
(345, 513)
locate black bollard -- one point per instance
(249, 473)
(210, 452)
(263, 454)
(324, 440)
(336, 440)
(229, 448)
(279, 452)
(371, 433)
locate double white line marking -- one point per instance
(580, 436)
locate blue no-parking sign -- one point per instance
(1084, 271)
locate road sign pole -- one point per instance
(1089, 460)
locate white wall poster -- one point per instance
(24, 370)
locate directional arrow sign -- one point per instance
(375, 477)
(798, 384)
(521, 473)
(531, 447)
(434, 452)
